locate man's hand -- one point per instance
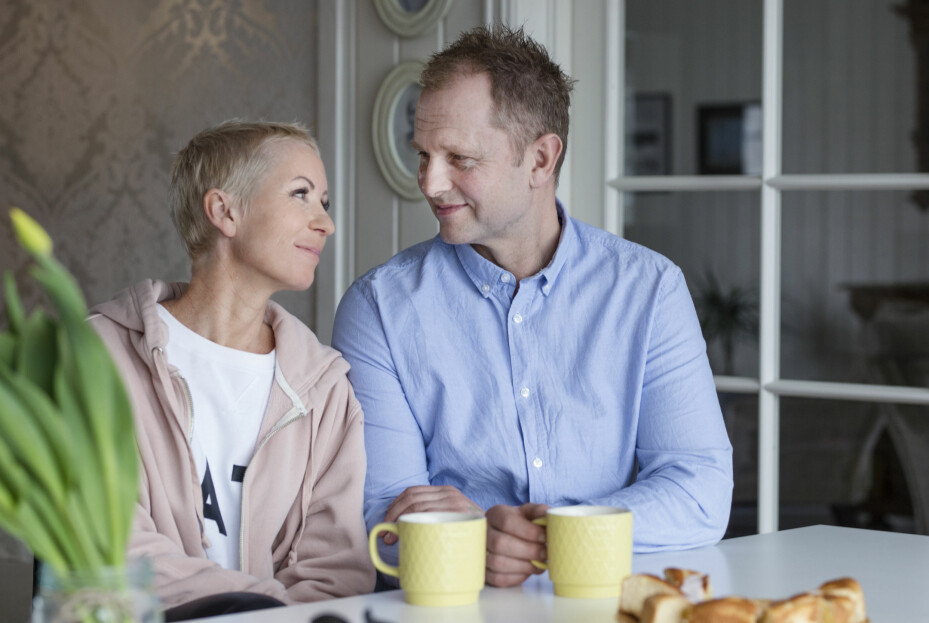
(512, 541)
(427, 498)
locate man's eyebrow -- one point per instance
(416, 146)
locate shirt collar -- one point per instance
(485, 275)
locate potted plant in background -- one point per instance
(727, 315)
(68, 463)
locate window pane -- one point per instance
(850, 91)
(842, 463)
(855, 283)
(713, 237)
(740, 411)
(693, 85)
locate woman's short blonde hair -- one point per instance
(231, 157)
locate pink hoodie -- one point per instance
(302, 533)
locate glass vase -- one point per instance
(103, 595)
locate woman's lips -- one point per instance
(311, 250)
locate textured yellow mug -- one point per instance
(442, 557)
(589, 549)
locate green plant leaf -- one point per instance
(85, 474)
(37, 350)
(15, 313)
(13, 478)
(47, 417)
(68, 462)
(28, 444)
(7, 349)
(46, 533)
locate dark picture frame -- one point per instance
(729, 138)
(648, 138)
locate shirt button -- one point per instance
(485, 288)
(524, 392)
(517, 318)
(546, 289)
(537, 463)
(505, 277)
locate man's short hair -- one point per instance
(531, 95)
(231, 157)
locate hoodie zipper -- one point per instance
(190, 437)
(290, 417)
(190, 408)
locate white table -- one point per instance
(892, 568)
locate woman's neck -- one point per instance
(214, 308)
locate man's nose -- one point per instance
(433, 178)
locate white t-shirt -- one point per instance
(229, 389)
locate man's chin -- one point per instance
(452, 235)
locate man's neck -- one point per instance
(532, 251)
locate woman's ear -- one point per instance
(218, 208)
(544, 151)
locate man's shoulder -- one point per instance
(406, 265)
(608, 249)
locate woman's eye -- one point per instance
(301, 193)
(326, 205)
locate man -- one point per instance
(523, 359)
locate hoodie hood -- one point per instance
(307, 361)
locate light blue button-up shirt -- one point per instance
(590, 385)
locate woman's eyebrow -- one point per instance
(308, 181)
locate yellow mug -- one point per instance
(589, 550)
(442, 557)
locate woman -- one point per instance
(249, 434)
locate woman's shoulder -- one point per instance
(302, 358)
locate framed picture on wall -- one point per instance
(392, 128)
(409, 18)
(729, 139)
(648, 138)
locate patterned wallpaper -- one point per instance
(96, 96)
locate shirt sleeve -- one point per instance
(683, 492)
(393, 440)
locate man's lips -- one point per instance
(447, 209)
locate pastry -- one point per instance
(695, 585)
(638, 587)
(802, 608)
(684, 596)
(850, 589)
(665, 609)
(726, 610)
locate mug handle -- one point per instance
(541, 521)
(379, 563)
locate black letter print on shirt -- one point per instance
(210, 503)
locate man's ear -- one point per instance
(218, 208)
(545, 152)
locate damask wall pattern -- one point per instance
(97, 95)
